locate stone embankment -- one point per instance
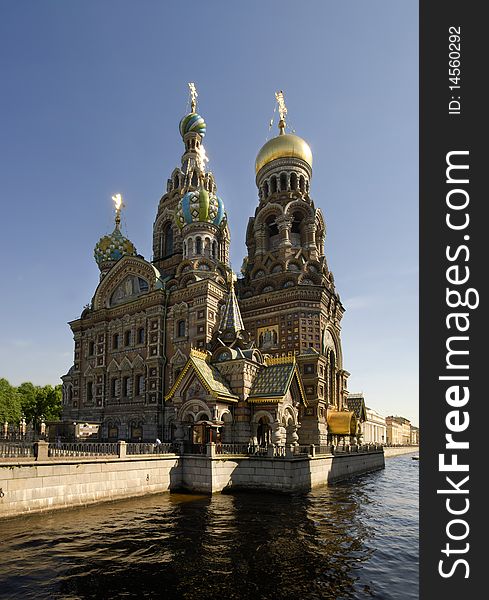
(391, 451)
(51, 476)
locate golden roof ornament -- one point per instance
(282, 111)
(117, 198)
(284, 145)
(193, 96)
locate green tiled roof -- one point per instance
(212, 377)
(274, 380)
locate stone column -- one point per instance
(260, 233)
(41, 449)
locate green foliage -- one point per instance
(40, 401)
(10, 407)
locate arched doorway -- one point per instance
(264, 432)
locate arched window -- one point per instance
(91, 348)
(214, 249)
(302, 183)
(181, 328)
(207, 247)
(293, 181)
(283, 182)
(265, 189)
(195, 181)
(141, 335)
(115, 341)
(273, 185)
(272, 234)
(332, 379)
(167, 240)
(198, 246)
(127, 338)
(297, 231)
(89, 391)
(139, 385)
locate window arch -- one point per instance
(198, 246)
(181, 328)
(167, 240)
(272, 233)
(283, 182)
(273, 185)
(293, 181)
(332, 379)
(265, 189)
(297, 236)
(214, 249)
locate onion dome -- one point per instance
(111, 248)
(285, 145)
(192, 123)
(200, 206)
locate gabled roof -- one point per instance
(208, 375)
(274, 379)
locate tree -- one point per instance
(28, 393)
(10, 408)
(40, 401)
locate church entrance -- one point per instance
(202, 433)
(264, 432)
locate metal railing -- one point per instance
(83, 449)
(148, 448)
(16, 450)
(357, 448)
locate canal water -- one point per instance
(357, 539)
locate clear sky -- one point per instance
(92, 93)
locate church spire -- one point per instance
(231, 320)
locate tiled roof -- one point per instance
(231, 317)
(357, 405)
(273, 381)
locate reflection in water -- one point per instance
(358, 539)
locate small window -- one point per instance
(91, 348)
(113, 387)
(139, 385)
(127, 338)
(141, 335)
(308, 369)
(181, 329)
(198, 246)
(126, 387)
(89, 391)
(115, 341)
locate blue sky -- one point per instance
(92, 93)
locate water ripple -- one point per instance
(355, 540)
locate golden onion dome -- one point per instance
(286, 145)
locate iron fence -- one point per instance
(16, 449)
(83, 449)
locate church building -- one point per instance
(179, 349)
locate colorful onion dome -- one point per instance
(192, 122)
(200, 206)
(111, 248)
(286, 145)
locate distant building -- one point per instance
(374, 428)
(398, 431)
(414, 436)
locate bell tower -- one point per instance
(287, 294)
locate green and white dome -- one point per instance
(200, 206)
